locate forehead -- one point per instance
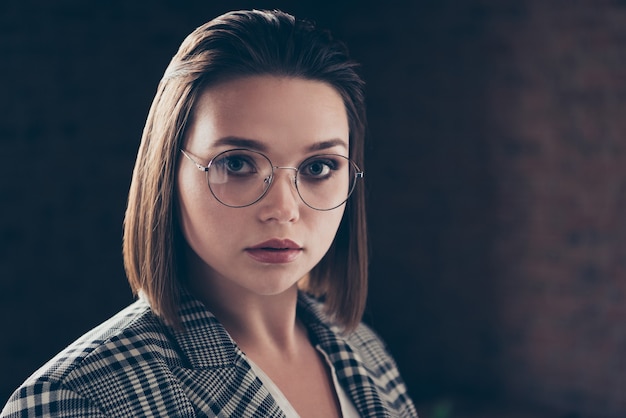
(282, 112)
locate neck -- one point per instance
(265, 322)
(257, 323)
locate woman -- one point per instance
(245, 240)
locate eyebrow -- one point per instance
(256, 145)
(331, 143)
(238, 142)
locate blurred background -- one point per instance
(496, 175)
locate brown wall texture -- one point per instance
(496, 175)
(559, 255)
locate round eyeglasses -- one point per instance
(241, 177)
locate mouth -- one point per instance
(276, 244)
(275, 251)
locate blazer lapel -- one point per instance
(351, 371)
(216, 377)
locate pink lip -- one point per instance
(275, 251)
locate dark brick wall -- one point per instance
(558, 97)
(495, 174)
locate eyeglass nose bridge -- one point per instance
(269, 180)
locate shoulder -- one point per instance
(133, 332)
(124, 354)
(374, 354)
(382, 369)
(369, 344)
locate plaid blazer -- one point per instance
(134, 365)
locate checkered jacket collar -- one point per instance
(211, 355)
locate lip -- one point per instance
(275, 251)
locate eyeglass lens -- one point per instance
(239, 178)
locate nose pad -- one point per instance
(293, 177)
(270, 180)
(275, 182)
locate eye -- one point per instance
(318, 168)
(239, 165)
(235, 164)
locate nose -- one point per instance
(281, 203)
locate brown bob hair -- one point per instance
(239, 44)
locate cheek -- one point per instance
(197, 214)
(327, 226)
(209, 233)
(209, 227)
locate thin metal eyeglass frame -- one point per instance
(357, 175)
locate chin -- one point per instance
(274, 288)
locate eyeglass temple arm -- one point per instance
(200, 166)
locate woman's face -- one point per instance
(264, 248)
